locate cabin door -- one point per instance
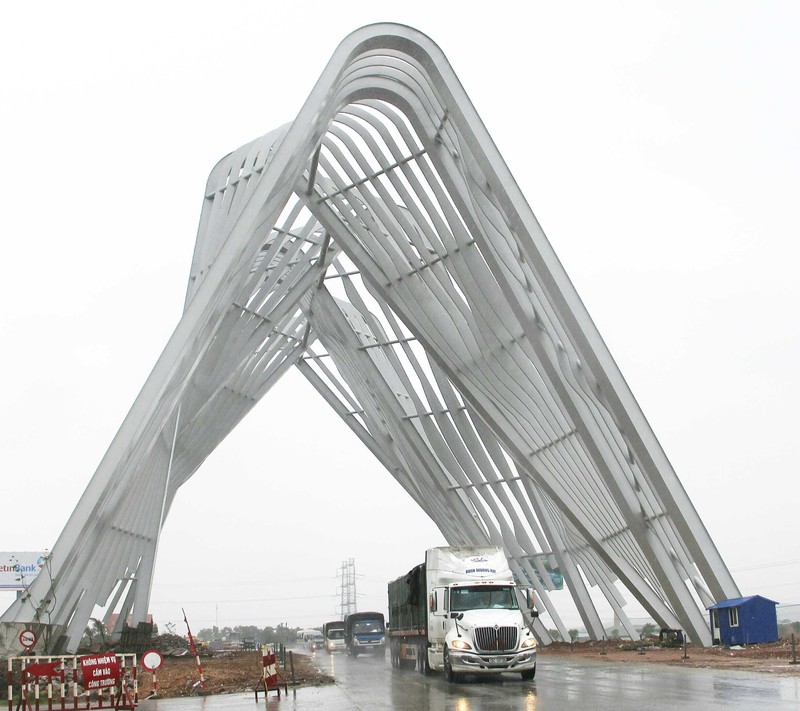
(715, 638)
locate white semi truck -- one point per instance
(459, 612)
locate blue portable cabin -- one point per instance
(744, 620)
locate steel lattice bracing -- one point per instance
(380, 245)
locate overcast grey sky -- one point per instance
(657, 143)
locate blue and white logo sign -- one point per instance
(18, 569)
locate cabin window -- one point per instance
(733, 616)
(484, 597)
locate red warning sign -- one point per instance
(99, 671)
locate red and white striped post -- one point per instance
(151, 661)
(193, 647)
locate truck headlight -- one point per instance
(530, 642)
(460, 644)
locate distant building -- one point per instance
(113, 618)
(744, 620)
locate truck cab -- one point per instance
(333, 632)
(461, 611)
(365, 632)
(479, 628)
(475, 623)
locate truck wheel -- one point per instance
(449, 674)
(529, 674)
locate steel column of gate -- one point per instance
(380, 244)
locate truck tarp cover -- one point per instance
(407, 600)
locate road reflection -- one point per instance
(560, 684)
(370, 684)
(373, 678)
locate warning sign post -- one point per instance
(272, 679)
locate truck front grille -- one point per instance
(496, 639)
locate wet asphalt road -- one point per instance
(370, 684)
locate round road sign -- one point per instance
(151, 660)
(27, 638)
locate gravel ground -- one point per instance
(224, 673)
(772, 658)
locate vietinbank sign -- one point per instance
(18, 569)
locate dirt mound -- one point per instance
(225, 673)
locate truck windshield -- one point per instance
(482, 598)
(368, 627)
(335, 634)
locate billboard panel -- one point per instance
(554, 572)
(18, 569)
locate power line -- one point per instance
(767, 565)
(230, 582)
(258, 599)
(769, 586)
(202, 622)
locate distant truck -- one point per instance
(459, 612)
(333, 632)
(365, 633)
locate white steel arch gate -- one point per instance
(380, 244)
